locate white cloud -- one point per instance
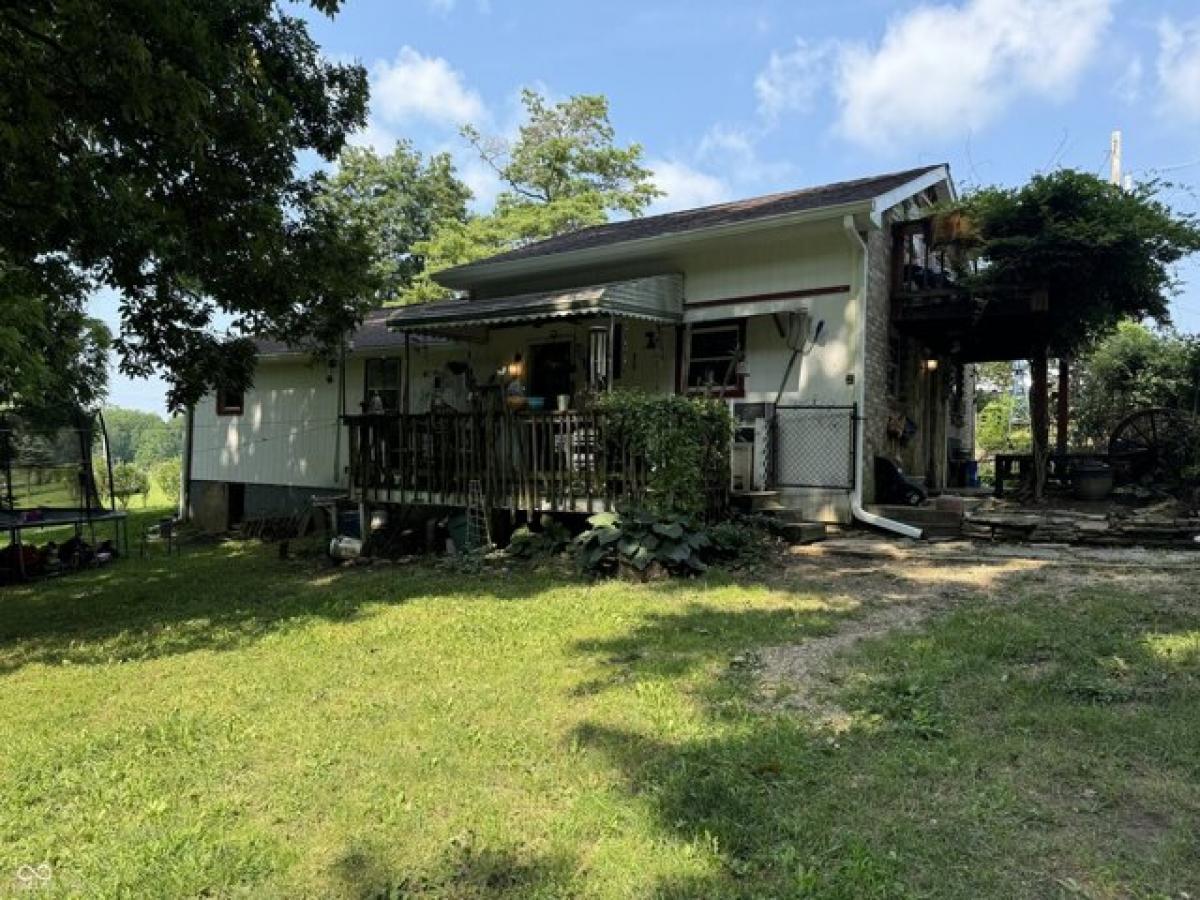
(792, 80)
(735, 151)
(1128, 88)
(942, 70)
(422, 87)
(1179, 68)
(684, 186)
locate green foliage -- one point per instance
(1132, 368)
(152, 149)
(168, 477)
(639, 539)
(744, 540)
(397, 200)
(994, 428)
(683, 440)
(52, 354)
(127, 481)
(142, 437)
(564, 171)
(909, 705)
(1102, 253)
(552, 539)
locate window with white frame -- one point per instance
(382, 380)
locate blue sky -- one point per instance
(736, 99)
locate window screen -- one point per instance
(383, 380)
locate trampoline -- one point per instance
(47, 463)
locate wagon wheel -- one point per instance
(1148, 444)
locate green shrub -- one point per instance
(127, 480)
(167, 476)
(744, 540)
(684, 442)
(551, 540)
(643, 542)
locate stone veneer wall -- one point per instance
(1145, 528)
(879, 316)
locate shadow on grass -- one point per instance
(209, 596)
(1038, 731)
(465, 870)
(665, 646)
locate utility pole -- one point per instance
(1114, 157)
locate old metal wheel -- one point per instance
(1147, 444)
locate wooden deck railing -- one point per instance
(549, 461)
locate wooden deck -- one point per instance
(533, 461)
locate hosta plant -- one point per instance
(642, 543)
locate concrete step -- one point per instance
(756, 501)
(803, 532)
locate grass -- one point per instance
(227, 723)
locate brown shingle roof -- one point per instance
(806, 199)
(373, 334)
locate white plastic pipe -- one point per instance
(860, 382)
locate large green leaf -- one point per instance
(607, 535)
(673, 530)
(642, 558)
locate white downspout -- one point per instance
(860, 382)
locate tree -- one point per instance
(168, 477)
(561, 173)
(163, 440)
(1093, 251)
(397, 200)
(152, 147)
(127, 480)
(1132, 368)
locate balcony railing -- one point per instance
(547, 461)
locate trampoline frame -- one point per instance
(16, 520)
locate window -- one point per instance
(230, 402)
(382, 379)
(715, 354)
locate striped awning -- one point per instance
(655, 299)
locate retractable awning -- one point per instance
(655, 299)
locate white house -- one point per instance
(786, 306)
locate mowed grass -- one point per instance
(226, 723)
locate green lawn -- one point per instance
(231, 724)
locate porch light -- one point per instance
(931, 365)
(514, 367)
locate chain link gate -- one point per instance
(814, 446)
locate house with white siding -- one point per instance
(797, 309)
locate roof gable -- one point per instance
(809, 199)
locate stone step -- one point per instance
(803, 532)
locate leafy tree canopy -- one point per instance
(141, 437)
(1101, 253)
(1132, 368)
(563, 171)
(150, 146)
(397, 200)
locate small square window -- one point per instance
(230, 402)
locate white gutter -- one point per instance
(631, 250)
(860, 382)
